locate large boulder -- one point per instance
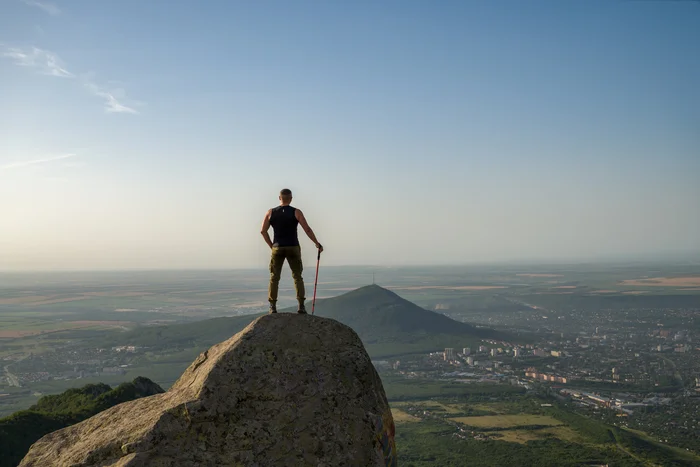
(288, 390)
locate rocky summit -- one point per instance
(288, 390)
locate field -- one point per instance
(664, 282)
(525, 439)
(501, 421)
(519, 431)
(561, 432)
(47, 327)
(431, 405)
(507, 421)
(402, 417)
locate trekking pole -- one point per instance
(318, 260)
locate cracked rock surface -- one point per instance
(288, 390)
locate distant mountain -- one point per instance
(21, 429)
(379, 317)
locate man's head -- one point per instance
(286, 196)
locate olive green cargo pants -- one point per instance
(293, 256)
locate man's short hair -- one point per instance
(286, 192)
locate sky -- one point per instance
(156, 134)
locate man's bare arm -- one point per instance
(266, 227)
(305, 225)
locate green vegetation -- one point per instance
(595, 431)
(400, 389)
(635, 442)
(430, 442)
(20, 430)
(655, 452)
(507, 421)
(674, 423)
(519, 431)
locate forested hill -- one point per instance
(378, 314)
(21, 429)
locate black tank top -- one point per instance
(284, 224)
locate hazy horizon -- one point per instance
(154, 135)
(681, 259)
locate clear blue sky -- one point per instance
(156, 133)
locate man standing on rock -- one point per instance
(284, 220)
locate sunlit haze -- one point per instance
(154, 134)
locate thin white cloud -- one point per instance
(50, 64)
(49, 8)
(47, 62)
(112, 104)
(16, 165)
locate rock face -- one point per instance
(288, 390)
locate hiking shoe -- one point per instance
(273, 309)
(302, 311)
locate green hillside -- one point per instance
(386, 323)
(21, 429)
